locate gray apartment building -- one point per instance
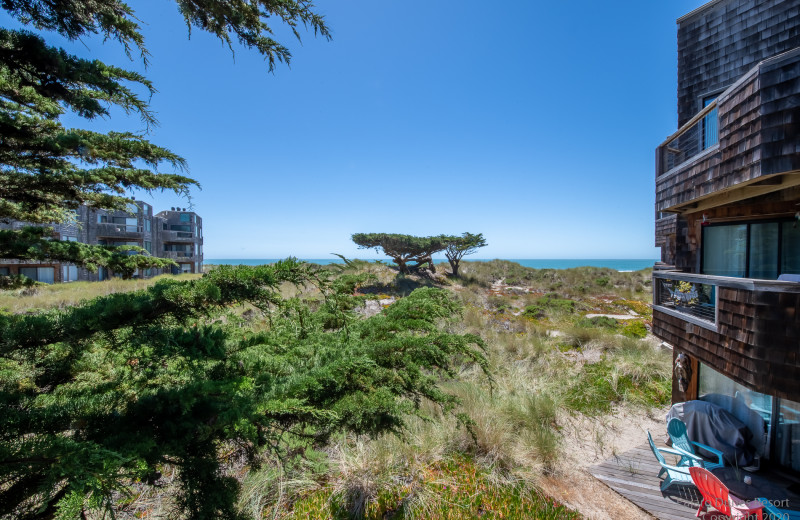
(176, 234)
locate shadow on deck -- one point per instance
(634, 475)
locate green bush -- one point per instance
(603, 322)
(602, 281)
(634, 329)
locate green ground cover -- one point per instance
(546, 365)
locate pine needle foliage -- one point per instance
(47, 169)
(107, 392)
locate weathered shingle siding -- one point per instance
(720, 44)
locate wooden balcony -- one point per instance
(742, 145)
(747, 329)
(186, 256)
(178, 236)
(107, 229)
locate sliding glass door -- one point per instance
(762, 250)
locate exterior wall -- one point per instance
(89, 230)
(721, 42)
(759, 136)
(171, 238)
(755, 343)
(683, 248)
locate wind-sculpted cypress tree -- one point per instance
(106, 393)
(402, 249)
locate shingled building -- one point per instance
(726, 294)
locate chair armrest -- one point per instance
(683, 453)
(753, 505)
(677, 469)
(710, 450)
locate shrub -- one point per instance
(634, 329)
(603, 322)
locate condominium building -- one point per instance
(727, 292)
(176, 234)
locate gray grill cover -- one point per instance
(714, 426)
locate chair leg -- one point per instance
(702, 508)
(667, 483)
(661, 473)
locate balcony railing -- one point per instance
(177, 236)
(695, 297)
(686, 295)
(175, 255)
(108, 229)
(699, 134)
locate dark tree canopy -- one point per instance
(47, 169)
(457, 248)
(402, 249)
(107, 392)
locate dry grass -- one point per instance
(527, 427)
(64, 295)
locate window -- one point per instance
(790, 250)
(127, 224)
(725, 250)
(147, 225)
(69, 273)
(177, 227)
(39, 274)
(5, 271)
(102, 219)
(133, 209)
(762, 250)
(186, 217)
(148, 246)
(710, 124)
(67, 238)
(787, 438)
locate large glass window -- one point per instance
(790, 248)
(787, 439)
(763, 250)
(39, 274)
(5, 271)
(178, 227)
(752, 408)
(186, 217)
(725, 250)
(69, 273)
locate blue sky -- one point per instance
(534, 123)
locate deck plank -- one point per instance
(634, 475)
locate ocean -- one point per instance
(618, 264)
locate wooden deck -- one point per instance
(634, 475)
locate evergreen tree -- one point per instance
(47, 169)
(457, 248)
(402, 249)
(108, 392)
(105, 393)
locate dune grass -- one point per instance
(546, 365)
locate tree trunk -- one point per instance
(401, 264)
(454, 267)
